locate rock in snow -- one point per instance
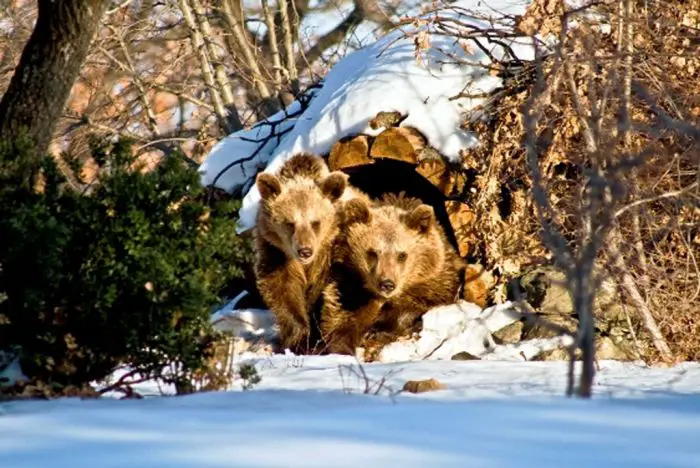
(465, 327)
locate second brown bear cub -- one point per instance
(294, 232)
(391, 264)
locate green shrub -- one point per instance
(125, 275)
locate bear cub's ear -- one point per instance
(268, 185)
(334, 185)
(421, 218)
(355, 211)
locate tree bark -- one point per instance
(50, 63)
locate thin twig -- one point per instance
(671, 194)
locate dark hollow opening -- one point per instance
(505, 202)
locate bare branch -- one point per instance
(272, 39)
(288, 41)
(217, 58)
(629, 286)
(130, 67)
(672, 194)
(204, 62)
(334, 36)
(251, 62)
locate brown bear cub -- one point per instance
(295, 229)
(392, 263)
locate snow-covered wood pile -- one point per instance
(436, 107)
(393, 116)
(427, 76)
(390, 115)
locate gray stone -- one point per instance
(464, 356)
(509, 334)
(536, 327)
(544, 288)
(606, 349)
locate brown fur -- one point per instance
(397, 240)
(303, 165)
(295, 229)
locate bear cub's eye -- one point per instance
(289, 226)
(316, 225)
(372, 255)
(402, 257)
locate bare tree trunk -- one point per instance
(200, 48)
(620, 264)
(49, 66)
(583, 290)
(238, 31)
(288, 40)
(626, 48)
(274, 49)
(217, 59)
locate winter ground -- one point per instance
(311, 412)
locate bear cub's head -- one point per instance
(391, 246)
(300, 212)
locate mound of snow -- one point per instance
(249, 324)
(385, 76)
(449, 330)
(233, 161)
(246, 323)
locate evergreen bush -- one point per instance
(127, 274)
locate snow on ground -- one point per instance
(248, 324)
(447, 330)
(332, 411)
(469, 380)
(385, 76)
(312, 413)
(452, 329)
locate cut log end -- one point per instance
(400, 143)
(463, 221)
(350, 152)
(477, 284)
